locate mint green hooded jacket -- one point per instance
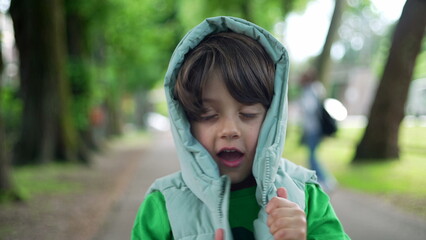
(197, 196)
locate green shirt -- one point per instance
(152, 221)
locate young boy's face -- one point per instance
(228, 130)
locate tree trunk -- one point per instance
(79, 75)
(7, 189)
(5, 183)
(5, 180)
(113, 115)
(323, 61)
(47, 128)
(380, 140)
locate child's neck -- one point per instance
(248, 182)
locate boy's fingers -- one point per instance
(275, 202)
(219, 234)
(282, 192)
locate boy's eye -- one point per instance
(208, 117)
(248, 115)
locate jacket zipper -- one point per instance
(221, 199)
(267, 178)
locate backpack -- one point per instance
(327, 122)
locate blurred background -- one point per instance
(82, 103)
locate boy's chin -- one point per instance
(240, 183)
(236, 179)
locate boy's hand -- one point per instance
(219, 234)
(286, 221)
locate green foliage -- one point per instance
(7, 196)
(10, 109)
(420, 69)
(131, 42)
(297, 5)
(268, 13)
(262, 12)
(140, 37)
(82, 91)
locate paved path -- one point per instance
(366, 217)
(363, 216)
(159, 160)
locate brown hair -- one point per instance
(246, 68)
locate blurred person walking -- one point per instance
(311, 99)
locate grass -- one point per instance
(60, 178)
(46, 179)
(400, 181)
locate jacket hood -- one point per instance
(199, 170)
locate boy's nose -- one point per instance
(230, 129)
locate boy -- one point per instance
(226, 88)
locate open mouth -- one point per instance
(231, 157)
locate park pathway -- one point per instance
(363, 217)
(367, 217)
(159, 159)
